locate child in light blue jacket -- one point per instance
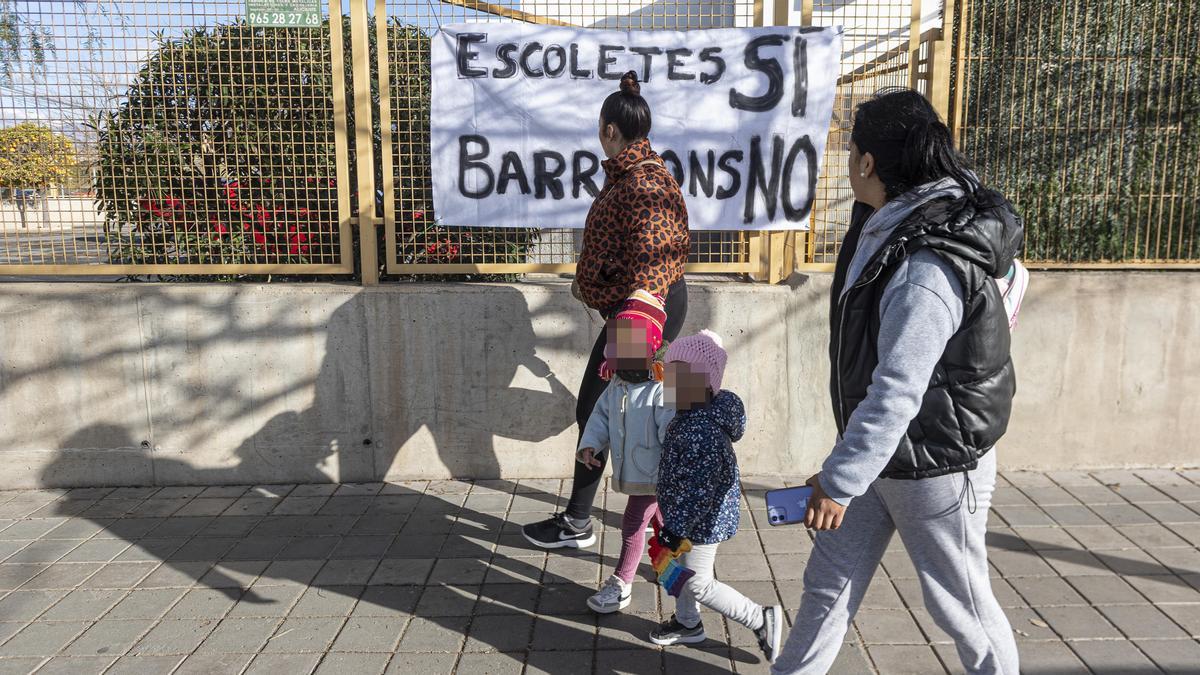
(629, 421)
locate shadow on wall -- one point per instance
(215, 370)
(458, 385)
(265, 385)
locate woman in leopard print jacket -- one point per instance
(635, 239)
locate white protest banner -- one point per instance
(740, 115)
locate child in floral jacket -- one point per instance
(699, 492)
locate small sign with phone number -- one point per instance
(284, 13)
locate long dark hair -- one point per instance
(627, 109)
(910, 143)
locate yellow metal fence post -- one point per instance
(782, 243)
(759, 241)
(810, 236)
(341, 133)
(914, 45)
(363, 142)
(387, 147)
(939, 63)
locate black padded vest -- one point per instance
(967, 406)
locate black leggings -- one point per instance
(587, 479)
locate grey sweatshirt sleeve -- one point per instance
(921, 309)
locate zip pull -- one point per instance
(972, 500)
(624, 430)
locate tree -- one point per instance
(222, 150)
(32, 158)
(26, 38)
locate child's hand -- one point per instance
(587, 457)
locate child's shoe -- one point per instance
(613, 596)
(672, 633)
(771, 632)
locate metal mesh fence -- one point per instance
(875, 55)
(1086, 113)
(152, 136)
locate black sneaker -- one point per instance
(771, 632)
(672, 633)
(559, 532)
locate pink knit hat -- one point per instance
(704, 352)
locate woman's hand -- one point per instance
(823, 513)
(587, 457)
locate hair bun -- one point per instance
(629, 84)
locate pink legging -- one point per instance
(638, 513)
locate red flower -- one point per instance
(231, 196)
(417, 215)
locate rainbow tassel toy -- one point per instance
(671, 575)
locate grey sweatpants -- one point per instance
(703, 588)
(946, 544)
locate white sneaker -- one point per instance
(613, 596)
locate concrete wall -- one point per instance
(134, 384)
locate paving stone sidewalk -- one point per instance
(1097, 572)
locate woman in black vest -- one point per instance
(922, 386)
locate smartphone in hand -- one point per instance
(786, 506)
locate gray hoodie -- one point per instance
(921, 309)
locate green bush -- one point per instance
(223, 150)
(1085, 115)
